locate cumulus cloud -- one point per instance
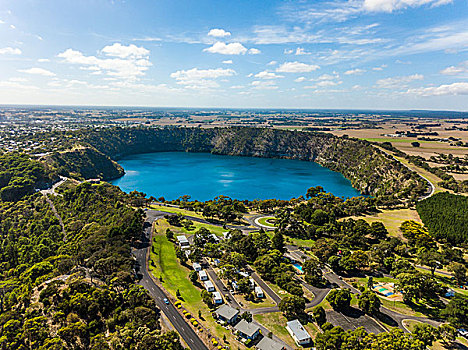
(228, 62)
(227, 49)
(201, 78)
(254, 51)
(300, 79)
(267, 75)
(356, 71)
(392, 5)
(296, 67)
(455, 70)
(264, 85)
(122, 51)
(218, 33)
(37, 71)
(397, 82)
(10, 51)
(301, 51)
(272, 63)
(125, 62)
(442, 90)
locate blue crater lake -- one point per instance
(204, 176)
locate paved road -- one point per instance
(231, 301)
(185, 331)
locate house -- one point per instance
(183, 242)
(227, 314)
(215, 238)
(297, 331)
(247, 330)
(259, 292)
(235, 287)
(202, 275)
(209, 286)
(269, 344)
(251, 283)
(217, 299)
(196, 266)
(226, 235)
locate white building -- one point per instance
(183, 242)
(297, 331)
(196, 266)
(209, 286)
(202, 275)
(251, 283)
(217, 299)
(259, 292)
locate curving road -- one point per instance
(185, 331)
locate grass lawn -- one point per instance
(217, 230)
(266, 220)
(276, 323)
(392, 219)
(176, 210)
(300, 242)
(175, 276)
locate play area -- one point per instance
(387, 290)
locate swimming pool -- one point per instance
(298, 266)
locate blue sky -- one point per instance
(376, 54)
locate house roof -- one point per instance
(182, 239)
(258, 290)
(217, 295)
(208, 284)
(247, 328)
(227, 312)
(296, 327)
(202, 273)
(269, 344)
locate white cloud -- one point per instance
(301, 51)
(397, 82)
(327, 77)
(37, 71)
(392, 5)
(454, 70)
(380, 68)
(268, 75)
(300, 79)
(42, 60)
(356, 71)
(201, 78)
(296, 67)
(288, 51)
(272, 63)
(128, 62)
(442, 90)
(122, 51)
(228, 62)
(18, 80)
(10, 51)
(254, 51)
(218, 33)
(264, 85)
(324, 83)
(227, 49)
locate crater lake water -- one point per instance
(204, 176)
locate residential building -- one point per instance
(209, 286)
(217, 299)
(196, 266)
(183, 242)
(247, 330)
(259, 292)
(202, 275)
(297, 331)
(227, 314)
(269, 344)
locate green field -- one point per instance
(265, 221)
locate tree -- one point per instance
(277, 242)
(370, 282)
(193, 275)
(369, 302)
(415, 144)
(447, 334)
(339, 299)
(313, 273)
(430, 257)
(418, 286)
(456, 312)
(459, 272)
(425, 333)
(319, 314)
(292, 306)
(169, 234)
(206, 296)
(378, 230)
(247, 316)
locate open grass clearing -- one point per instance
(176, 210)
(392, 219)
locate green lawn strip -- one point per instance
(301, 242)
(400, 307)
(176, 210)
(175, 276)
(394, 139)
(217, 230)
(265, 221)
